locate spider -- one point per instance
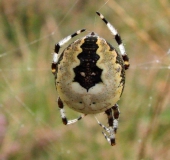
(90, 77)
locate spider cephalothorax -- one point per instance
(90, 77)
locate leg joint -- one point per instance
(60, 103)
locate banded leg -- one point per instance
(118, 40)
(56, 54)
(63, 115)
(116, 113)
(113, 116)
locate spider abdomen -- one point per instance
(90, 75)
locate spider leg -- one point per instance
(63, 115)
(56, 54)
(103, 126)
(116, 113)
(113, 116)
(118, 40)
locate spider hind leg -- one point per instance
(63, 115)
(109, 132)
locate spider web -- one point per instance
(29, 117)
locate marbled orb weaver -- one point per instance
(90, 77)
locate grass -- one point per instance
(30, 124)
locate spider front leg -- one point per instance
(56, 54)
(113, 116)
(63, 115)
(118, 40)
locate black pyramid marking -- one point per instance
(87, 74)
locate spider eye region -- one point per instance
(92, 34)
(87, 74)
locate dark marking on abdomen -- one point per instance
(87, 74)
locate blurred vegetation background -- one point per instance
(30, 123)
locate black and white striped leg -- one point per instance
(63, 115)
(113, 116)
(118, 40)
(116, 113)
(56, 54)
